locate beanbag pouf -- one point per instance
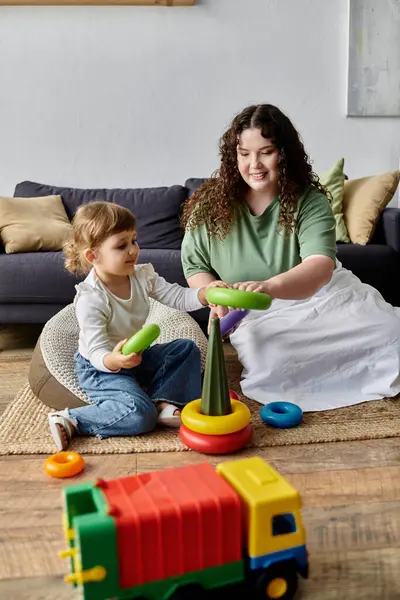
(52, 371)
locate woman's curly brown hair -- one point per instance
(215, 202)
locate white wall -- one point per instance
(138, 96)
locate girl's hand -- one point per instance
(203, 291)
(216, 311)
(252, 286)
(116, 360)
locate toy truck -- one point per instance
(184, 532)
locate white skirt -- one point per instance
(338, 348)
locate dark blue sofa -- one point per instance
(34, 286)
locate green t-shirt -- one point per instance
(256, 249)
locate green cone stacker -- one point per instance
(215, 399)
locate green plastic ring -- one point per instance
(141, 340)
(238, 298)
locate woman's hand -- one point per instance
(300, 282)
(115, 360)
(252, 286)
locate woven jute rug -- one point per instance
(24, 429)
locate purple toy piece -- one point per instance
(229, 322)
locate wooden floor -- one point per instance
(351, 495)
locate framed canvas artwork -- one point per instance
(374, 59)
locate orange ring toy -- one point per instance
(64, 464)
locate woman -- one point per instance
(264, 223)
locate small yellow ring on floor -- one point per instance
(194, 420)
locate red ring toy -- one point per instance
(234, 395)
(216, 444)
(64, 464)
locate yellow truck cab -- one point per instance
(275, 538)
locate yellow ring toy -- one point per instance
(64, 464)
(195, 421)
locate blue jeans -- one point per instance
(124, 402)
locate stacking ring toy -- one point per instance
(64, 464)
(194, 420)
(281, 414)
(229, 322)
(141, 340)
(216, 444)
(238, 298)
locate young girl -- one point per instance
(129, 394)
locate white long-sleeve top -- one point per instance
(105, 319)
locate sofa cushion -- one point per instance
(364, 201)
(32, 224)
(193, 183)
(42, 278)
(35, 278)
(157, 210)
(166, 263)
(333, 180)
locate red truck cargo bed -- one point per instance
(174, 521)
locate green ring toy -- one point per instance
(141, 340)
(238, 298)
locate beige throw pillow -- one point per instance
(363, 202)
(30, 224)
